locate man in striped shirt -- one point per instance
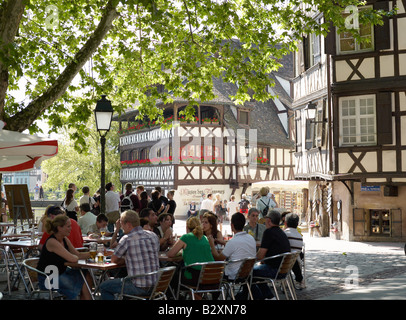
(296, 244)
(138, 249)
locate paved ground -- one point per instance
(377, 270)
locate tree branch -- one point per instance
(35, 108)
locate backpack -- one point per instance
(126, 203)
(266, 209)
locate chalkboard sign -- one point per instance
(18, 201)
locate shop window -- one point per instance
(380, 222)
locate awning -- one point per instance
(21, 152)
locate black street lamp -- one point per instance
(103, 114)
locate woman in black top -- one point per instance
(56, 251)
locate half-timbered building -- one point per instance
(226, 149)
(353, 150)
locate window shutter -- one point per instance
(382, 33)
(298, 127)
(306, 52)
(330, 41)
(309, 134)
(321, 126)
(384, 118)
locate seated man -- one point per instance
(254, 228)
(296, 244)
(101, 222)
(86, 219)
(138, 249)
(274, 242)
(241, 246)
(192, 212)
(75, 235)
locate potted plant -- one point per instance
(195, 120)
(206, 120)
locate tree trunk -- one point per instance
(11, 12)
(24, 119)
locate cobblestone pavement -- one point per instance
(329, 264)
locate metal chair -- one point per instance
(210, 278)
(243, 277)
(32, 272)
(282, 275)
(6, 265)
(302, 262)
(158, 291)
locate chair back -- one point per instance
(165, 276)
(32, 271)
(287, 263)
(245, 269)
(31, 267)
(211, 274)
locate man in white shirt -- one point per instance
(296, 244)
(86, 219)
(207, 205)
(241, 246)
(232, 207)
(112, 205)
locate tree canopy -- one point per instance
(83, 169)
(63, 56)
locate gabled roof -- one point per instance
(264, 116)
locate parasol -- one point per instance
(21, 152)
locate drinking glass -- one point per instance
(102, 232)
(93, 250)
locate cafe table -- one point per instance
(163, 257)
(26, 245)
(105, 240)
(86, 264)
(6, 226)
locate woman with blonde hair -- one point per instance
(58, 250)
(196, 248)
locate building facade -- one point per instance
(353, 150)
(226, 149)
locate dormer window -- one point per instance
(243, 117)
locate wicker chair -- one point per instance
(282, 275)
(243, 277)
(32, 271)
(210, 279)
(159, 290)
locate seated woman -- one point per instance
(209, 224)
(56, 251)
(164, 231)
(196, 248)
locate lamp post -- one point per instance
(103, 114)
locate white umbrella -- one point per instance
(21, 152)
